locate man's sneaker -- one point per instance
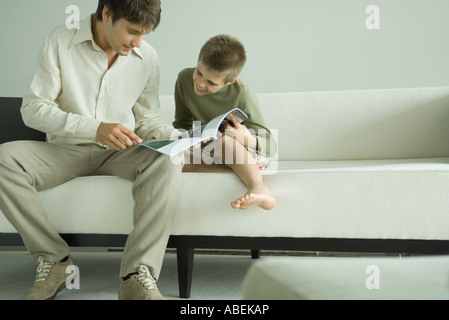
(50, 279)
(139, 286)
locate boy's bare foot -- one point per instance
(257, 197)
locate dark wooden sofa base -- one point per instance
(185, 246)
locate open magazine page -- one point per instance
(207, 131)
(211, 128)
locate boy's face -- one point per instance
(123, 36)
(206, 81)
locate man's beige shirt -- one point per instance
(72, 90)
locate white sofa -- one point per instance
(355, 171)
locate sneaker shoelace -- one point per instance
(146, 279)
(43, 270)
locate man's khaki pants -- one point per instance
(27, 167)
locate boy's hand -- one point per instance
(240, 133)
(116, 136)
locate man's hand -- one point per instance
(240, 133)
(116, 136)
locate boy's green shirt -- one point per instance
(191, 107)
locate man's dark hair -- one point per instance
(143, 12)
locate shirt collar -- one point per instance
(84, 33)
(138, 52)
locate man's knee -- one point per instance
(177, 161)
(167, 165)
(10, 164)
(9, 150)
(174, 165)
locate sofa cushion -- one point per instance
(377, 199)
(380, 199)
(354, 125)
(359, 125)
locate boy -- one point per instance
(211, 89)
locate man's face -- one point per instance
(123, 36)
(207, 82)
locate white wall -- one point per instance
(293, 45)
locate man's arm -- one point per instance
(116, 136)
(39, 109)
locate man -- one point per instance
(95, 94)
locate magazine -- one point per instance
(205, 132)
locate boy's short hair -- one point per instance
(143, 12)
(225, 55)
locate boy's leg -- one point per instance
(246, 168)
(27, 167)
(156, 189)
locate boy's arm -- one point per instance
(183, 116)
(241, 133)
(255, 124)
(266, 144)
(149, 125)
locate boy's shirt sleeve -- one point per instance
(146, 111)
(255, 123)
(183, 115)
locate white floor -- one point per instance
(215, 277)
